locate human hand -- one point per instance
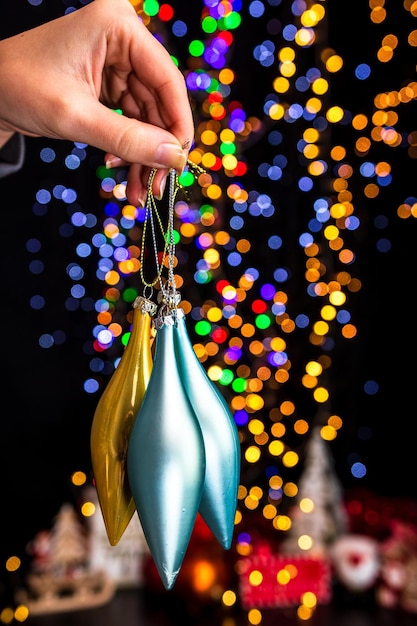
(64, 79)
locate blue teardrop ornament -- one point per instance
(221, 439)
(166, 460)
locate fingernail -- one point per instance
(141, 202)
(114, 162)
(170, 155)
(161, 189)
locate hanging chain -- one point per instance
(168, 296)
(150, 212)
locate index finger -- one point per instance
(154, 72)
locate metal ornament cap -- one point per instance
(112, 424)
(166, 460)
(221, 439)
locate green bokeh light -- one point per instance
(202, 328)
(262, 321)
(186, 179)
(196, 48)
(209, 24)
(239, 385)
(130, 294)
(175, 236)
(151, 7)
(226, 377)
(231, 21)
(228, 148)
(125, 339)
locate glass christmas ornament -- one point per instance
(221, 439)
(113, 420)
(166, 459)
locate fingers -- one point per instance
(131, 140)
(156, 91)
(137, 184)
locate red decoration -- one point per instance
(299, 574)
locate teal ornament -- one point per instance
(166, 459)
(221, 439)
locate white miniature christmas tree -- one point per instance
(61, 578)
(319, 514)
(122, 562)
(68, 550)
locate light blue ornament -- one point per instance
(221, 439)
(166, 460)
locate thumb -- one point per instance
(131, 140)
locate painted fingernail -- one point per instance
(170, 155)
(161, 189)
(114, 162)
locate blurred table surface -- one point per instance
(134, 607)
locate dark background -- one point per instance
(46, 415)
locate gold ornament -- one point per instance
(113, 421)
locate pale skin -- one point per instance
(64, 79)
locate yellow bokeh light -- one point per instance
(321, 395)
(88, 509)
(287, 68)
(276, 111)
(212, 257)
(208, 137)
(290, 458)
(252, 454)
(256, 426)
(276, 448)
(215, 372)
(283, 577)
(214, 314)
(214, 192)
(208, 160)
(320, 86)
(254, 617)
(305, 37)
(226, 76)
(229, 598)
(305, 542)
(309, 599)
(334, 63)
(78, 478)
(337, 298)
(13, 563)
(281, 84)
(321, 328)
(314, 105)
(286, 54)
(314, 368)
(328, 433)
(230, 162)
(335, 114)
(290, 490)
(255, 578)
(21, 613)
(306, 505)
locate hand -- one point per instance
(64, 79)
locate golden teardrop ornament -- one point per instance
(113, 421)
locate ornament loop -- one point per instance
(145, 305)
